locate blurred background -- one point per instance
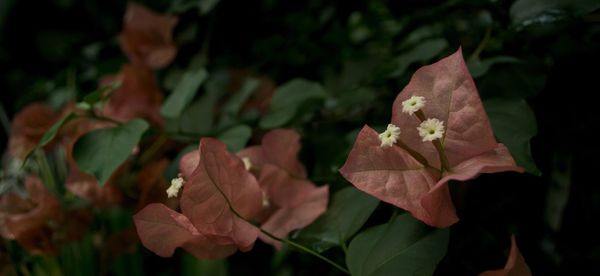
(535, 63)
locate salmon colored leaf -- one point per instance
(147, 37)
(220, 196)
(515, 264)
(162, 230)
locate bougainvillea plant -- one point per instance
(238, 166)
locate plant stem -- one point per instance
(438, 146)
(45, 171)
(153, 149)
(443, 159)
(306, 249)
(482, 44)
(286, 241)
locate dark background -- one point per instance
(44, 43)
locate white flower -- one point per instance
(431, 129)
(412, 105)
(176, 184)
(389, 136)
(247, 163)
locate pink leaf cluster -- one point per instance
(221, 198)
(26, 219)
(393, 175)
(146, 38)
(139, 95)
(28, 127)
(515, 264)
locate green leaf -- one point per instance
(184, 93)
(199, 117)
(402, 246)
(233, 106)
(479, 67)
(349, 210)
(102, 151)
(192, 266)
(512, 81)
(288, 99)
(514, 124)
(423, 52)
(52, 131)
(527, 12)
(236, 137)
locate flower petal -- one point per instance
(220, 179)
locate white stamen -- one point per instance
(412, 105)
(176, 184)
(431, 129)
(389, 136)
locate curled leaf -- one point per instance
(515, 264)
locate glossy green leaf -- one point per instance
(236, 137)
(403, 246)
(423, 52)
(527, 12)
(184, 93)
(479, 67)
(288, 99)
(349, 210)
(52, 131)
(102, 151)
(514, 124)
(235, 103)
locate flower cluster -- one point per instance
(223, 194)
(413, 174)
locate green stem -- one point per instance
(45, 171)
(286, 241)
(153, 149)
(93, 115)
(306, 249)
(438, 146)
(416, 155)
(482, 44)
(443, 159)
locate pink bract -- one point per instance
(147, 37)
(207, 226)
(138, 97)
(515, 264)
(394, 176)
(292, 201)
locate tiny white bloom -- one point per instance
(431, 129)
(389, 136)
(412, 105)
(265, 200)
(247, 163)
(176, 184)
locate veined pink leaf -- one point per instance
(162, 230)
(298, 204)
(515, 264)
(220, 182)
(139, 95)
(28, 127)
(147, 37)
(290, 200)
(393, 175)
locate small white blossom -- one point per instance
(389, 136)
(265, 200)
(176, 184)
(247, 163)
(412, 105)
(431, 129)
